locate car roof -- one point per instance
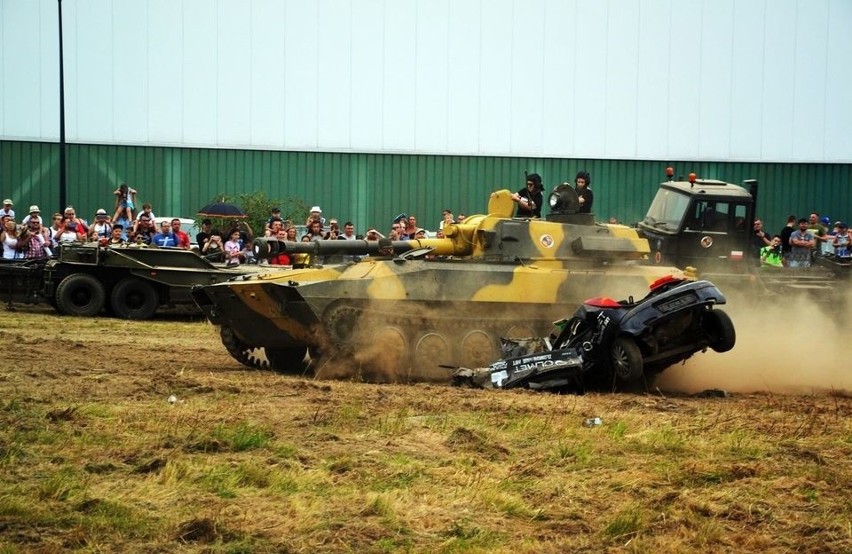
(188, 225)
(183, 220)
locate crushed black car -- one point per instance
(614, 344)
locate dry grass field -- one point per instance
(95, 458)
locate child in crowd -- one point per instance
(233, 249)
(125, 202)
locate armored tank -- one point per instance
(412, 310)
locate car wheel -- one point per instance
(133, 298)
(626, 360)
(720, 328)
(80, 294)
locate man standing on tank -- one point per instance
(584, 193)
(529, 198)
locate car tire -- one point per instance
(626, 359)
(720, 328)
(133, 298)
(80, 294)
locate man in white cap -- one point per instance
(315, 215)
(102, 228)
(7, 209)
(35, 214)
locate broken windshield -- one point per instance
(667, 210)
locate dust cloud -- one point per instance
(785, 345)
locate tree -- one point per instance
(258, 206)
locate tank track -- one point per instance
(420, 345)
(253, 357)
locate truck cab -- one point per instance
(702, 223)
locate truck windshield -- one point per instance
(667, 210)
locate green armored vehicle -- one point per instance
(131, 282)
(407, 309)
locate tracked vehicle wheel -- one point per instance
(478, 348)
(719, 326)
(387, 355)
(431, 349)
(80, 294)
(626, 360)
(253, 357)
(291, 361)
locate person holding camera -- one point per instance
(33, 242)
(102, 228)
(70, 228)
(214, 248)
(333, 230)
(772, 254)
(9, 238)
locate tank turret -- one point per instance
(495, 236)
(407, 310)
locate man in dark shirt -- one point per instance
(529, 199)
(203, 236)
(584, 193)
(144, 230)
(785, 236)
(760, 238)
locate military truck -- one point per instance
(85, 279)
(707, 224)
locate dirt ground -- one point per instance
(371, 467)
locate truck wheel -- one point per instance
(627, 362)
(80, 294)
(719, 326)
(291, 361)
(133, 298)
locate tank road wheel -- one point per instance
(626, 360)
(253, 357)
(133, 298)
(430, 350)
(386, 357)
(80, 294)
(478, 348)
(291, 361)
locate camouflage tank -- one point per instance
(412, 310)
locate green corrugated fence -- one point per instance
(370, 189)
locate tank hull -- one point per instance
(404, 320)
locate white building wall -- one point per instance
(761, 80)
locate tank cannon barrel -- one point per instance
(268, 247)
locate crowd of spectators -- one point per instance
(801, 241)
(36, 237)
(795, 246)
